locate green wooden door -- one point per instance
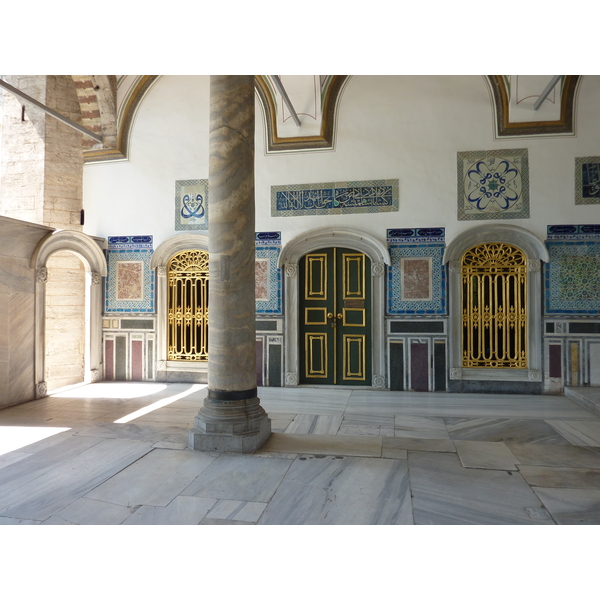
(335, 317)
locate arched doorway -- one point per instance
(335, 328)
(90, 265)
(354, 243)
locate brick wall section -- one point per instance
(98, 101)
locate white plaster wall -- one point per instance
(408, 128)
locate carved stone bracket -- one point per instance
(41, 389)
(291, 270)
(535, 375)
(41, 274)
(378, 381)
(454, 266)
(291, 379)
(456, 374)
(377, 269)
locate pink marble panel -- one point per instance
(130, 280)
(416, 278)
(262, 279)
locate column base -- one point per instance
(230, 426)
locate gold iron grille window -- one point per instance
(494, 307)
(188, 306)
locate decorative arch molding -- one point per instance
(173, 370)
(88, 249)
(124, 118)
(536, 253)
(330, 101)
(564, 126)
(327, 237)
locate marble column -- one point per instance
(231, 419)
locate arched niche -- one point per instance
(327, 237)
(177, 371)
(89, 250)
(503, 380)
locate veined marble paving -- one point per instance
(403, 463)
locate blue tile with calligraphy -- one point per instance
(587, 180)
(191, 204)
(334, 198)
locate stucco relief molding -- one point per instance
(161, 271)
(533, 264)
(95, 375)
(455, 266)
(378, 381)
(161, 365)
(291, 379)
(41, 389)
(96, 278)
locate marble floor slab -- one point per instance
(579, 433)
(58, 487)
(395, 447)
(525, 431)
(330, 491)
(445, 493)
(420, 427)
(571, 506)
(545, 455)
(155, 479)
(183, 510)
(323, 444)
(234, 511)
(315, 424)
(308, 401)
(279, 421)
(85, 511)
(560, 477)
(485, 455)
(145, 432)
(239, 477)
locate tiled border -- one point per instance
(594, 162)
(191, 215)
(416, 243)
(334, 198)
(129, 248)
(268, 247)
(520, 208)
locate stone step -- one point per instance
(587, 397)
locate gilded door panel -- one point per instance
(335, 317)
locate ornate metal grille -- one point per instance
(188, 306)
(494, 303)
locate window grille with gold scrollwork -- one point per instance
(187, 320)
(494, 307)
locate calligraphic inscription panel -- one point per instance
(493, 184)
(334, 198)
(191, 204)
(587, 180)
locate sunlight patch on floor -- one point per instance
(14, 438)
(160, 403)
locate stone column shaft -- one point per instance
(231, 418)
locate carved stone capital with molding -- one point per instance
(41, 274)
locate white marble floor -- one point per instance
(116, 453)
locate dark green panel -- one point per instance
(136, 324)
(120, 358)
(396, 366)
(266, 325)
(274, 367)
(439, 366)
(417, 327)
(589, 327)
